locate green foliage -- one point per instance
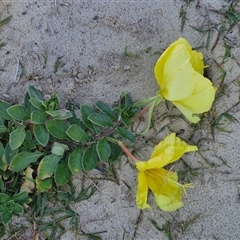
(48, 166)
(17, 137)
(103, 149)
(165, 228)
(23, 159)
(187, 174)
(74, 160)
(128, 54)
(57, 128)
(3, 110)
(5, 20)
(90, 158)
(12, 205)
(41, 134)
(77, 134)
(52, 144)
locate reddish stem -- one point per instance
(142, 111)
(129, 154)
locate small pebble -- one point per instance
(117, 67)
(74, 72)
(126, 68)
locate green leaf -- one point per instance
(85, 112)
(38, 117)
(63, 173)
(90, 158)
(2, 209)
(27, 146)
(104, 108)
(124, 133)
(28, 137)
(152, 102)
(39, 104)
(57, 128)
(144, 102)
(5, 20)
(126, 120)
(157, 100)
(2, 184)
(43, 185)
(59, 148)
(3, 129)
(60, 114)
(34, 93)
(48, 166)
(4, 198)
(9, 205)
(53, 102)
(2, 120)
(17, 137)
(6, 217)
(18, 112)
(127, 102)
(41, 134)
(17, 208)
(3, 162)
(103, 150)
(100, 120)
(116, 152)
(27, 103)
(3, 110)
(7, 174)
(9, 153)
(29, 142)
(23, 159)
(133, 111)
(75, 160)
(3, 231)
(20, 197)
(76, 133)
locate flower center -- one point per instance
(167, 176)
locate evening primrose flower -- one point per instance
(179, 73)
(163, 183)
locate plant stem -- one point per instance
(108, 131)
(124, 148)
(144, 110)
(128, 153)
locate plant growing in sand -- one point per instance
(43, 146)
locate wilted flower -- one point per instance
(179, 73)
(163, 183)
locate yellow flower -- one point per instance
(179, 73)
(163, 183)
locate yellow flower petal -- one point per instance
(196, 57)
(159, 161)
(177, 70)
(167, 204)
(142, 191)
(167, 190)
(156, 179)
(162, 181)
(200, 101)
(180, 147)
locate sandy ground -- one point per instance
(89, 38)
